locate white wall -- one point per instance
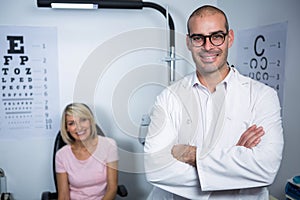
(83, 35)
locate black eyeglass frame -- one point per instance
(209, 37)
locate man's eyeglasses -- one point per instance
(216, 39)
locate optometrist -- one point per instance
(215, 134)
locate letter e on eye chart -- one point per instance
(261, 54)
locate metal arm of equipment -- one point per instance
(125, 4)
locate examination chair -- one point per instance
(47, 195)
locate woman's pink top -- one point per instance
(87, 178)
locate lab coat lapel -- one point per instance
(190, 114)
(237, 91)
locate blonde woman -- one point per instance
(86, 168)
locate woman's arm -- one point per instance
(63, 186)
(112, 181)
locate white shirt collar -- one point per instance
(195, 81)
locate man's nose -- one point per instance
(207, 44)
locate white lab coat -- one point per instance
(224, 170)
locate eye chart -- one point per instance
(29, 103)
(261, 54)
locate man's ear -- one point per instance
(230, 37)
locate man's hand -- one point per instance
(185, 153)
(251, 137)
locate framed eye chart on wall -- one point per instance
(261, 54)
(29, 101)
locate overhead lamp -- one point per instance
(119, 4)
(85, 4)
(73, 6)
